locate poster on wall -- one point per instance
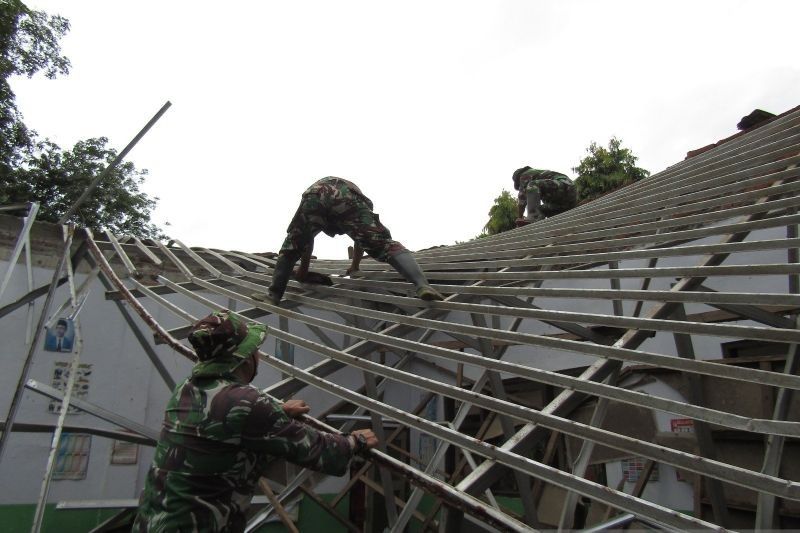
(124, 453)
(80, 389)
(60, 337)
(632, 470)
(682, 425)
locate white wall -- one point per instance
(124, 381)
(667, 490)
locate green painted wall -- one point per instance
(312, 517)
(19, 518)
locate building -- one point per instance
(652, 330)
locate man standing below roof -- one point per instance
(220, 433)
(544, 192)
(336, 206)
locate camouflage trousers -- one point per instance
(335, 207)
(557, 194)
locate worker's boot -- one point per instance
(534, 201)
(280, 278)
(408, 267)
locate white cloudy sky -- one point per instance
(428, 105)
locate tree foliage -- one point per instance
(606, 169)
(502, 214)
(29, 43)
(56, 178)
(39, 170)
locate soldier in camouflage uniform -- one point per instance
(220, 432)
(336, 206)
(554, 190)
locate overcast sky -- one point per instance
(428, 106)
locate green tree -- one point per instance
(502, 215)
(39, 170)
(29, 43)
(606, 169)
(56, 178)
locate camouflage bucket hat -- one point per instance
(222, 334)
(518, 174)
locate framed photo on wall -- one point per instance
(60, 337)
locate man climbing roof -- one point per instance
(544, 192)
(336, 206)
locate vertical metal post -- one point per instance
(386, 476)
(598, 416)
(436, 459)
(438, 456)
(73, 371)
(651, 263)
(285, 347)
(617, 304)
(584, 455)
(22, 242)
(499, 392)
(766, 509)
(794, 279)
(31, 305)
(17, 398)
(637, 310)
(702, 431)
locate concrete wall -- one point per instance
(122, 380)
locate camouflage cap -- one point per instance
(519, 172)
(222, 334)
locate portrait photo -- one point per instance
(60, 336)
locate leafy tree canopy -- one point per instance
(39, 170)
(29, 41)
(606, 169)
(502, 214)
(28, 44)
(56, 178)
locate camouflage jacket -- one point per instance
(532, 174)
(336, 206)
(339, 199)
(218, 436)
(333, 182)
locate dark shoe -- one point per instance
(408, 267)
(268, 297)
(429, 294)
(316, 278)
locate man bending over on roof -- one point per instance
(336, 206)
(220, 432)
(544, 192)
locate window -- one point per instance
(124, 453)
(72, 457)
